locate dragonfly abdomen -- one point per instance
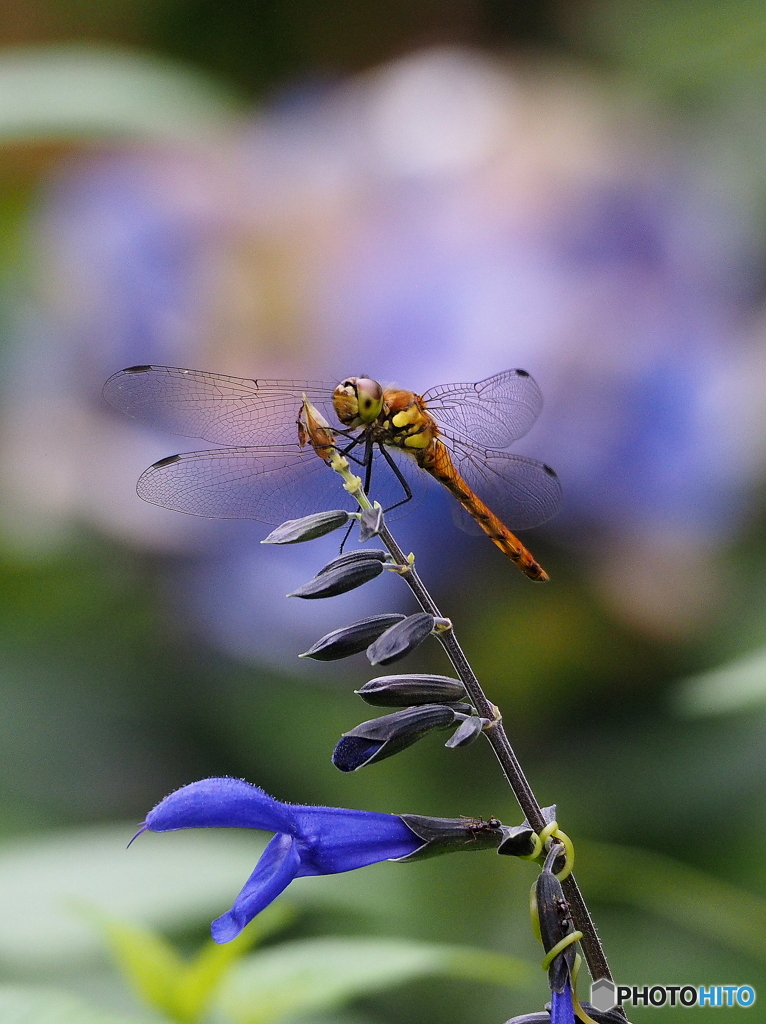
(437, 461)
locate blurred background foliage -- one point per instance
(423, 192)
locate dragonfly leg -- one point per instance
(346, 535)
(349, 448)
(398, 474)
(368, 464)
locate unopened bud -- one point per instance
(555, 922)
(340, 580)
(599, 1016)
(293, 531)
(360, 555)
(383, 737)
(400, 639)
(403, 691)
(352, 639)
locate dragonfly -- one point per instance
(455, 433)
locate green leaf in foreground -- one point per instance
(47, 1006)
(178, 987)
(172, 882)
(60, 91)
(318, 974)
(731, 688)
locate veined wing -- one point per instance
(522, 492)
(221, 409)
(268, 484)
(495, 412)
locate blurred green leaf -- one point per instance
(181, 988)
(730, 688)
(165, 881)
(72, 91)
(47, 1006)
(676, 892)
(317, 974)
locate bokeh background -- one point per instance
(421, 192)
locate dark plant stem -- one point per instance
(591, 944)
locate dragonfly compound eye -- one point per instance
(370, 396)
(358, 400)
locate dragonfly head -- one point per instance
(357, 401)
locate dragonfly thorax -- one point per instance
(404, 421)
(358, 401)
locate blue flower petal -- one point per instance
(562, 1010)
(221, 803)
(335, 839)
(275, 870)
(308, 840)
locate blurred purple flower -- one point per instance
(308, 840)
(441, 218)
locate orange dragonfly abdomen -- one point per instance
(436, 460)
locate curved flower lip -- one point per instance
(308, 841)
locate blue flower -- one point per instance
(308, 840)
(562, 1010)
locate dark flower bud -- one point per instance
(604, 1016)
(338, 581)
(383, 737)
(400, 639)
(370, 523)
(403, 691)
(467, 732)
(543, 1017)
(361, 555)
(555, 922)
(308, 528)
(348, 640)
(448, 835)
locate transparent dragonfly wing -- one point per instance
(266, 476)
(464, 521)
(217, 408)
(522, 492)
(494, 412)
(268, 484)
